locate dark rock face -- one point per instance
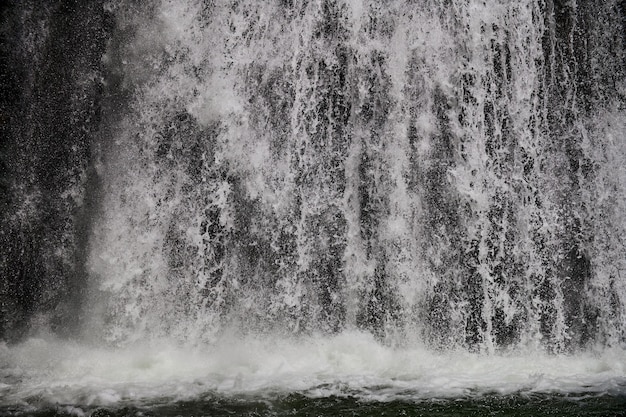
(51, 81)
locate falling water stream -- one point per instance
(271, 204)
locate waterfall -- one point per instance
(448, 175)
(444, 172)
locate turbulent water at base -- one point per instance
(381, 201)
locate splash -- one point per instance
(47, 372)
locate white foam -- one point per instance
(353, 363)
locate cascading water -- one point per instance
(362, 194)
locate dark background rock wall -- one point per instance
(50, 93)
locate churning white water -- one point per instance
(44, 372)
(358, 198)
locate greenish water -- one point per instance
(299, 405)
